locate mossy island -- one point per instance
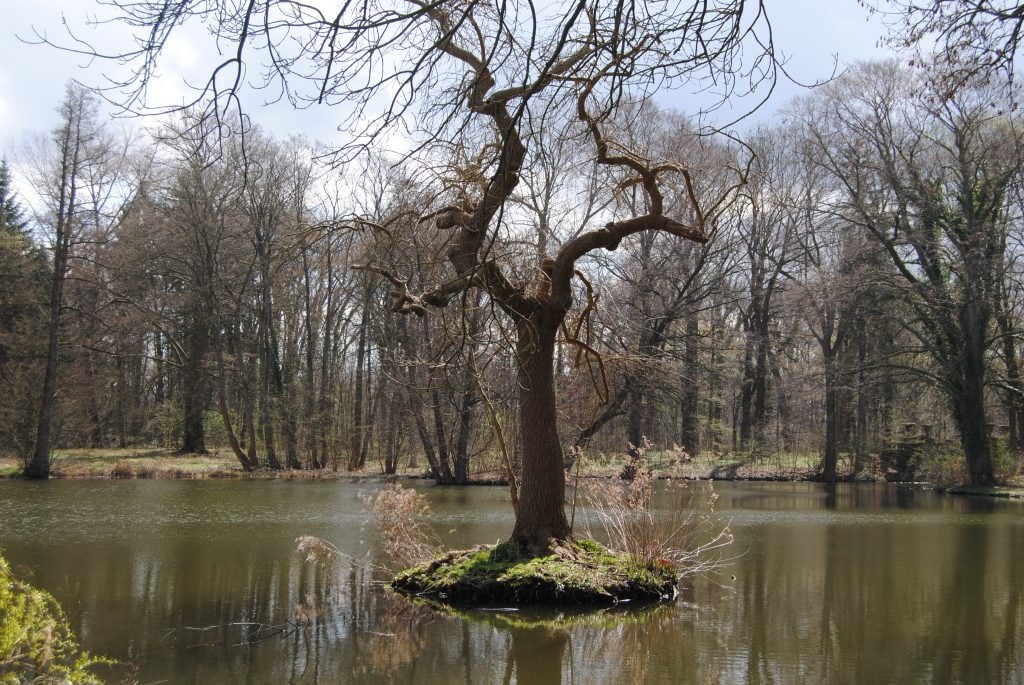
(581, 573)
(646, 559)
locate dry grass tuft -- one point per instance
(681, 534)
(401, 515)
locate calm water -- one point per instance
(863, 584)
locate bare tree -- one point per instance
(76, 193)
(469, 72)
(974, 39)
(928, 179)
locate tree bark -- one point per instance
(356, 438)
(831, 457)
(689, 429)
(540, 519)
(968, 397)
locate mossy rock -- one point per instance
(574, 573)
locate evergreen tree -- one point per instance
(23, 274)
(12, 220)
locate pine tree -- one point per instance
(23, 277)
(12, 219)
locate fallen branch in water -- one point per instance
(256, 631)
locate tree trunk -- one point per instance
(356, 442)
(193, 382)
(746, 399)
(540, 519)
(222, 403)
(689, 429)
(440, 437)
(159, 354)
(969, 397)
(831, 449)
(1014, 394)
(39, 466)
(465, 427)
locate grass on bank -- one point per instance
(942, 465)
(155, 462)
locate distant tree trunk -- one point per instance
(468, 397)
(309, 380)
(325, 405)
(194, 391)
(831, 457)
(356, 443)
(861, 432)
(222, 403)
(689, 429)
(1014, 393)
(747, 389)
(440, 435)
(466, 403)
(760, 411)
(158, 349)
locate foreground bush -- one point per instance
(36, 642)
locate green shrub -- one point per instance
(36, 642)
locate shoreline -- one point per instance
(150, 463)
(167, 464)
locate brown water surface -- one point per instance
(199, 582)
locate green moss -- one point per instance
(579, 573)
(36, 643)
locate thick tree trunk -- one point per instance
(746, 398)
(760, 411)
(968, 393)
(540, 518)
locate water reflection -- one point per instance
(840, 584)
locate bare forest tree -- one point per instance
(82, 193)
(929, 180)
(974, 39)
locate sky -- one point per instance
(32, 77)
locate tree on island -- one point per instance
(463, 77)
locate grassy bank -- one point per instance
(146, 462)
(168, 463)
(154, 463)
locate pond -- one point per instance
(200, 582)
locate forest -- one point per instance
(205, 288)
